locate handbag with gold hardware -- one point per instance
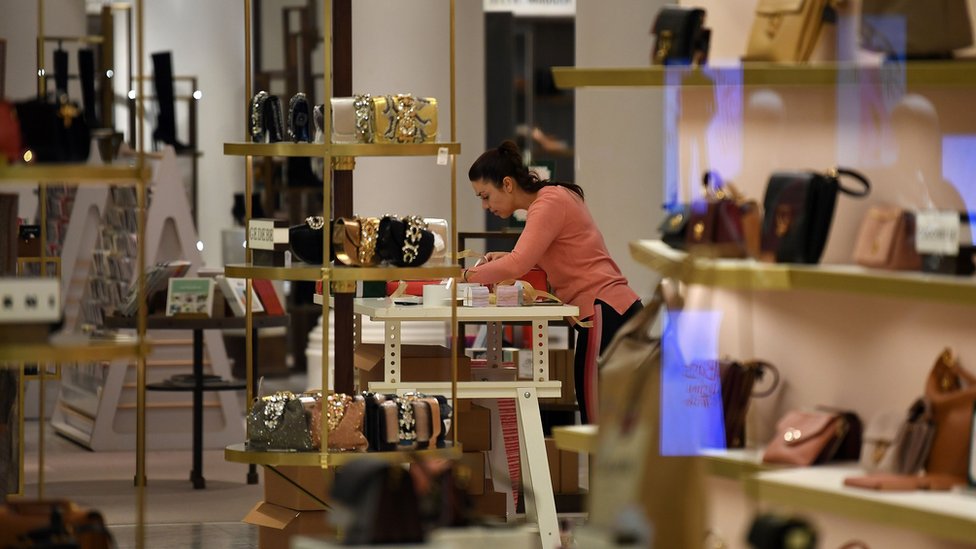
(808, 438)
(345, 415)
(278, 422)
(403, 118)
(680, 36)
(952, 392)
(886, 240)
(798, 209)
(725, 224)
(785, 31)
(354, 240)
(674, 228)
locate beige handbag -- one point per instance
(785, 31)
(886, 240)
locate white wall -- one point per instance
(619, 137)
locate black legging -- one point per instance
(606, 322)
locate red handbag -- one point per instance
(11, 144)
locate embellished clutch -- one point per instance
(403, 118)
(405, 242)
(345, 415)
(278, 422)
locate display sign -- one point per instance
(937, 232)
(533, 8)
(267, 234)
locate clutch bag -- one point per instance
(403, 118)
(344, 120)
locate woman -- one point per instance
(561, 237)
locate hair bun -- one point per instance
(509, 147)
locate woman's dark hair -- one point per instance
(503, 161)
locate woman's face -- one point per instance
(499, 201)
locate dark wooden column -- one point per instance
(342, 191)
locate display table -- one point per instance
(540, 506)
(199, 384)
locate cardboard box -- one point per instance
(491, 503)
(280, 487)
(475, 463)
(552, 454)
(563, 469)
(475, 432)
(505, 372)
(417, 363)
(277, 524)
(562, 368)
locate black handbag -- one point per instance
(54, 132)
(306, 240)
(675, 226)
(405, 242)
(798, 210)
(680, 36)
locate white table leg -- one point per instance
(540, 350)
(392, 351)
(494, 344)
(540, 504)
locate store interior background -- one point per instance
(858, 351)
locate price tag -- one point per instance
(442, 156)
(937, 233)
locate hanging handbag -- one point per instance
(785, 31)
(886, 240)
(814, 437)
(738, 388)
(680, 37)
(798, 211)
(278, 422)
(952, 392)
(54, 132)
(909, 29)
(629, 474)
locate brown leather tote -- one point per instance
(952, 392)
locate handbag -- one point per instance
(306, 240)
(725, 224)
(785, 31)
(738, 381)
(629, 474)
(674, 228)
(344, 120)
(912, 442)
(354, 240)
(952, 392)
(278, 422)
(908, 29)
(53, 132)
(799, 209)
(405, 242)
(680, 36)
(345, 415)
(886, 240)
(52, 523)
(814, 437)
(403, 118)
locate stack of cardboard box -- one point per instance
(288, 510)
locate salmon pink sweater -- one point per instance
(561, 237)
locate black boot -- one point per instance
(86, 73)
(166, 98)
(60, 73)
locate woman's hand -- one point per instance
(491, 256)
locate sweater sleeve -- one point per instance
(542, 225)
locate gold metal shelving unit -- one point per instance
(958, 72)
(339, 278)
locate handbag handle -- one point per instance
(762, 367)
(860, 177)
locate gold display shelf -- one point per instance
(304, 271)
(576, 438)
(947, 515)
(298, 271)
(751, 274)
(69, 349)
(736, 464)
(339, 149)
(237, 453)
(68, 173)
(916, 73)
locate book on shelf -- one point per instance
(157, 280)
(190, 297)
(235, 290)
(269, 296)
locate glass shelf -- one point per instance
(302, 271)
(932, 73)
(70, 349)
(751, 274)
(339, 149)
(68, 173)
(239, 454)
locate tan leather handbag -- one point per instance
(886, 240)
(952, 392)
(785, 31)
